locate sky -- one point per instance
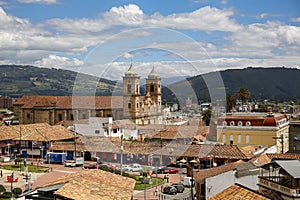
(178, 38)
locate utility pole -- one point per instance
(121, 160)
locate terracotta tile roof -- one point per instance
(287, 156)
(207, 173)
(180, 132)
(249, 149)
(94, 184)
(237, 192)
(261, 159)
(35, 132)
(217, 151)
(267, 158)
(68, 102)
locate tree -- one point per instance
(243, 94)
(206, 115)
(230, 102)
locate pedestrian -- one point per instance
(168, 178)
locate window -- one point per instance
(84, 116)
(239, 138)
(224, 138)
(59, 117)
(240, 123)
(224, 123)
(129, 105)
(97, 131)
(137, 105)
(28, 116)
(151, 88)
(232, 123)
(231, 138)
(248, 123)
(115, 130)
(72, 117)
(247, 138)
(128, 88)
(137, 89)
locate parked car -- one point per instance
(134, 168)
(179, 187)
(170, 190)
(159, 170)
(70, 163)
(171, 170)
(91, 166)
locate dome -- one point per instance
(153, 74)
(131, 72)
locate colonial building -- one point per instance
(132, 105)
(142, 109)
(255, 129)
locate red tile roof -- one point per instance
(236, 192)
(207, 173)
(94, 184)
(35, 132)
(68, 102)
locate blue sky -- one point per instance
(179, 38)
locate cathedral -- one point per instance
(142, 109)
(132, 105)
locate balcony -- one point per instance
(280, 186)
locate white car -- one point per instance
(134, 168)
(70, 163)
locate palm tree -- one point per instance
(243, 94)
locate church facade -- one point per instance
(142, 109)
(132, 105)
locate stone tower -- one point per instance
(131, 94)
(154, 88)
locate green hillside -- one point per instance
(263, 83)
(19, 80)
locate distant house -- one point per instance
(87, 185)
(31, 140)
(208, 182)
(255, 129)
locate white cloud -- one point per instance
(127, 55)
(59, 62)
(296, 19)
(204, 19)
(39, 1)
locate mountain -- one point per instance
(17, 80)
(276, 83)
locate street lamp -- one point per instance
(182, 161)
(121, 160)
(42, 154)
(192, 163)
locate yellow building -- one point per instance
(255, 129)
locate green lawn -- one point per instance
(139, 185)
(31, 168)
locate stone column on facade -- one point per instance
(65, 115)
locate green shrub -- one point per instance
(17, 191)
(6, 195)
(2, 189)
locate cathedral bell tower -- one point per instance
(131, 94)
(154, 88)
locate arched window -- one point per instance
(232, 123)
(240, 123)
(248, 123)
